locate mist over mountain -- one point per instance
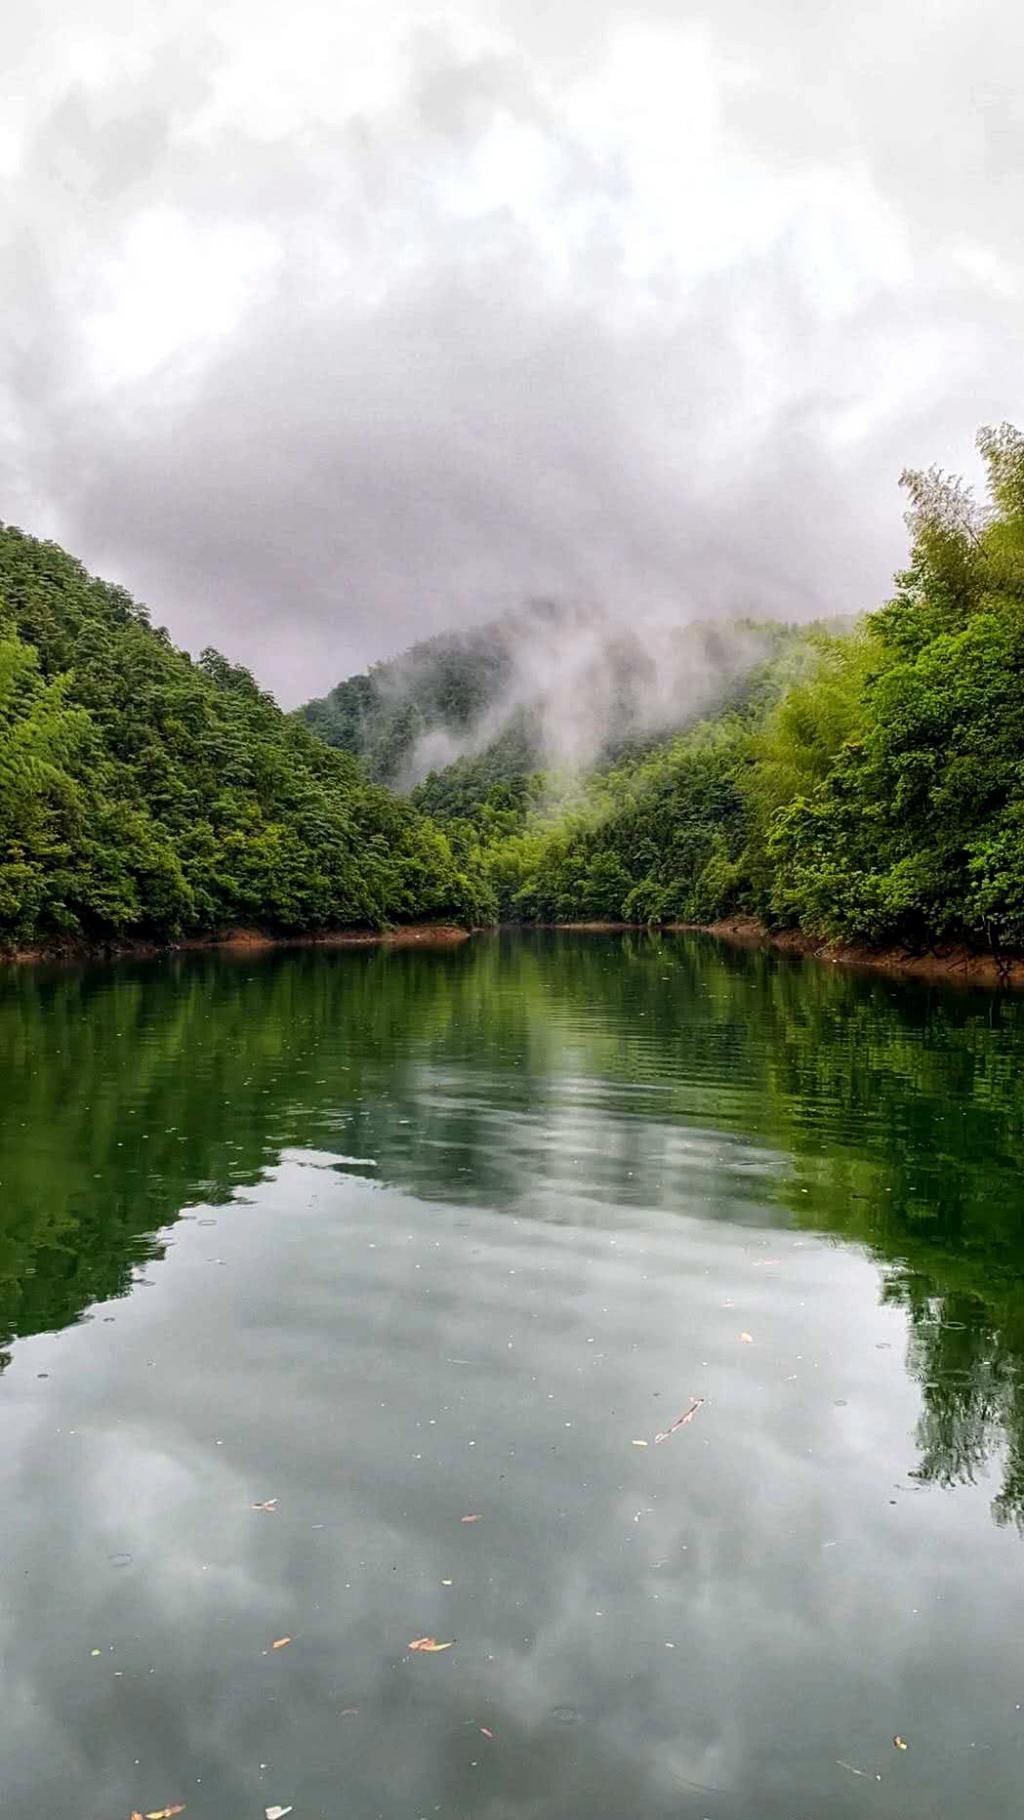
(554, 686)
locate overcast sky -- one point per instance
(329, 324)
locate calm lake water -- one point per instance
(402, 1239)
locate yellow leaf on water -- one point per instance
(165, 1813)
(639, 1443)
(280, 1643)
(900, 1743)
(429, 1645)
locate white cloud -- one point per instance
(327, 328)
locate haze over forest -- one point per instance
(329, 330)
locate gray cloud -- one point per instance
(324, 348)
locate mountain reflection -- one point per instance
(563, 1078)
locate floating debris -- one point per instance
(681, 1421)
(872, 1775)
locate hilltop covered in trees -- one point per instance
(443, 685)
(143, 794)
(871, 785)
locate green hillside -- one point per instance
(441, 685)
(144, 794)
(871, 787)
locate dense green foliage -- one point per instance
(506, 774)
(871, 787)
(441, 686)
(145, 794)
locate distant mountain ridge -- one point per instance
(550, 686)
(447, 682)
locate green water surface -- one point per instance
(397, 1238)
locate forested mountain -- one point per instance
(871, 787)
(508, 771)
(145, 794)
(443, 685)
(548, 687)
(866, 783)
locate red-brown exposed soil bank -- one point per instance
(950, 961)
(75, 949)
(945, 961)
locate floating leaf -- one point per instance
(429, 1645)
(639, 1443)
(280, 1643)
(680, 1421)
(163, 1813)
(268, 1504)
(276, 1813)
(486, 1733)
(471, 1519)
(900, 1743)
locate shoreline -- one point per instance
(953, 962)
(75, 951)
